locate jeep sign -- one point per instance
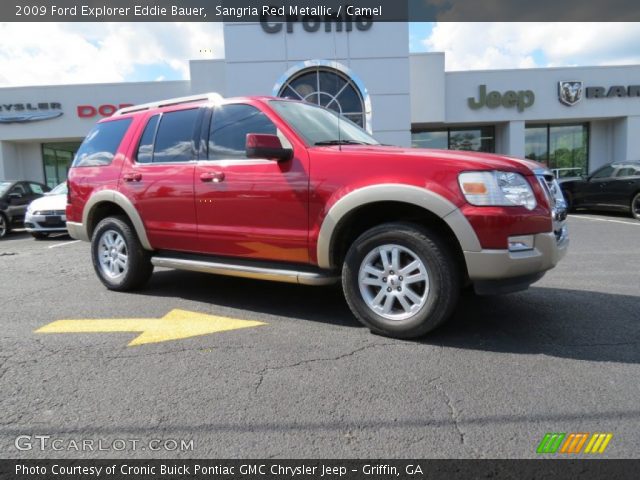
(521, 99)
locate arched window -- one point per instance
(327, 87)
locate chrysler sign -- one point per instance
(29, 112)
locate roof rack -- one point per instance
(207, 97)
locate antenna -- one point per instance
(335, 59)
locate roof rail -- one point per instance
(208, 97)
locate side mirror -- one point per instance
(260, 145)
(15, 196)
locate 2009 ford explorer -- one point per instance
(282, 190)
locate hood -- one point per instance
(50, 202)
(463, 159)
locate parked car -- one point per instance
(47, 215)
(283, 190)
(614, 187)
(14, 198)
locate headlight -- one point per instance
(497, 189)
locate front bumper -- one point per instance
(45, 223)
(503, 270)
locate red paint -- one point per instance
(265, 209)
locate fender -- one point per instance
(392, 192)
(126, 205)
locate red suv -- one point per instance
(282, 190)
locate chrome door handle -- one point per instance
(132, 177)
(215, 177)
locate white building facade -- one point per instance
(574, 119)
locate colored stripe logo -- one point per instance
(574, 443)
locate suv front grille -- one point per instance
(556, 201)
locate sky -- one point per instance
(67, 53)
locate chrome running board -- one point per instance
(246, 271)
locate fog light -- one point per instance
(521, 243)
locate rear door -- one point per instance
(159, 178)
(623, 186)
(255, 208)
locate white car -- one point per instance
(48, 214)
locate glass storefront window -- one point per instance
(561, 147)
(535, 144)
(328, 88)
(433, 139)
(57, 158)
(474, 139)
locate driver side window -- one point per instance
(230, 125)
(605, 172)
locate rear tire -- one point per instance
(400, 280)
(118, 257)
(635, 206)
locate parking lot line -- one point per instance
(634, 224)
(63, 244)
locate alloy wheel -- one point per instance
(112, 254)
(394, 282)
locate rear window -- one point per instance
(4, 186)
(174, 139)
(37, 189)
(101, 144)
(145, 149)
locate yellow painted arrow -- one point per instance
(175, 325)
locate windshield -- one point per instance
(4, 186)
(60, 189)
(319, 126)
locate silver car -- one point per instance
(48, 214)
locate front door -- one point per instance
(595, 189)
(19, 197)
(254, 208)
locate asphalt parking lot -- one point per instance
(563, 356)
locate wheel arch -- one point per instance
(108, 203)
(368, 206)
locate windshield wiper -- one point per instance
(341, 142)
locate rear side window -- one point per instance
(145, 149)
(174, 140)
(101, 144)
(628, 172)
(230, 126)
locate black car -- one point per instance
(15, 197)
(614, 187)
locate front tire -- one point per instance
(400, 280)
(635, 206)
(5, 227)
(118, 257)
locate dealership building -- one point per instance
(574, 119)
